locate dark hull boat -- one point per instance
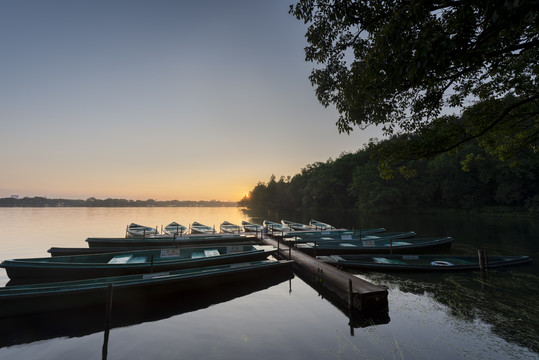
(81, 321)
(350, 236)
(125, 263)
(59, 296)
(170, 241)
(431, 263)
(69, 251)
(329, 232)
(379, 246)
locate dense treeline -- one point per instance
(93, 202)
(448, 181)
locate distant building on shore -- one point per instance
(14, 196)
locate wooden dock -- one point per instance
(357, 294)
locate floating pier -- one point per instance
(358, 294)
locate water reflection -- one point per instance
(356, 319)
(88, 320)
(504, 298)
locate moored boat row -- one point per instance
(379, 250)
(142, 261)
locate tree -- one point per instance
(400, 64)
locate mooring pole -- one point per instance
(108, 312)
(350, 295)
(289, 252)
(151, 264)
(481, 259)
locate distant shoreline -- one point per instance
(93, 202)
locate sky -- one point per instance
(157, 99)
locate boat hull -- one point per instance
(421, 263)
(169, 241)
(398, 246)
(32, 299)
(118, 264)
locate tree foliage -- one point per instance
(401, 64)
(353, 181)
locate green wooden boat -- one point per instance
(377, 246)
(296, 226)
(433, 263)
(174, 229)
(36, 298)
(252, 227)
(81, 321)
(198, 228)
(133, 262)
(136, 230)
(318, 225)
(228, 227)
(68, 251)
(169, 241)
(331, 232)
(275, 227)
(350, 236)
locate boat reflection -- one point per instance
(356, 318)
(78, 322)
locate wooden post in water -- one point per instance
(289, 252)
(108, 312)
(151, 264)
(483, 259)
(391, 246)
(350, 295)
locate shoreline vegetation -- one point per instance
(466, 181)
(40, 201)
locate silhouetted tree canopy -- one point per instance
(400, 63)
(353, 181)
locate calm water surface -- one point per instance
(444, 316)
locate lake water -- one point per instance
(469, 315)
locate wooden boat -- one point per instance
(274, 227)
(433, 263)
(133, 262)
(78, 321)
(174, 229)
(378, 246)
(251, 227)
(296, 226)
(69, 251)
(170, 241)
(333, 232)
(35, 298)
(350, 236)
(318, 225)
(198, 228)
(136, 230)
(228, 227)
